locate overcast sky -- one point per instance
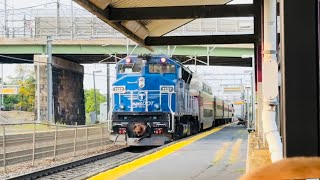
(101, 78)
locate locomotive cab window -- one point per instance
(130, 68)
(162, 68)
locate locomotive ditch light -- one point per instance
(122, 130)
(157, 106)
(122, 107)
(158, 131)
(163, 60)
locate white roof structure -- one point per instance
(144, 20)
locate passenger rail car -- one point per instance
(156, 100)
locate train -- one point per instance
(156, 100)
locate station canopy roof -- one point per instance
(148, 21)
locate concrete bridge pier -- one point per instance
(68, 93)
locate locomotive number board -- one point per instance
(119, 89)
(166, 89)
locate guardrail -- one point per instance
(28, 142)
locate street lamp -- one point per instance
(94, 91)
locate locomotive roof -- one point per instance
(147, 56)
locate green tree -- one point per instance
(89, 100)
(25, 79)
(27, 93)
(10, 100)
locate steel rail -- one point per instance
(70, 165)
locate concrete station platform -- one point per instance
(219, 153)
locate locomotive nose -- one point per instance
(139, 129)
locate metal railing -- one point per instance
(26, 143)
(88, 27)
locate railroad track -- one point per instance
(19, 147)
(70, 165)
(88, 167)
(17, 157)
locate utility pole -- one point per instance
(95, 95)
(2, 83)
(71, 16)
(49, 79)
(38, 93)
(58, 19)
(6, 19)
(108, 88)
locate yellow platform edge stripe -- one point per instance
(143, 161)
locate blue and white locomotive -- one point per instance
(153, 102)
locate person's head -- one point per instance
(289, 168)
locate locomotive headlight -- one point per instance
(157, 106)
(128, 60)
(141, 82)
(163, 60)
(122, 107)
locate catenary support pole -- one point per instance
(2, 83)
(72, 19)
(38, 92)
(108, 88)
(95, 96)
(49, 79)
(6, 30)
(58, 19)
